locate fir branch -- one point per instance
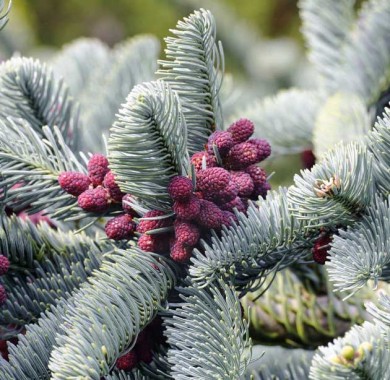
(343, 118)
(362, 252)
(369, 351)
(279, 363)
(146, 283)
(34, 160)
(147, 144)
(30, 358)
(269, 238)
(379, 144)
(46, 266)
(366, 54)
(78, 62)
(20, 241)
(381, 312)
(285, 120)
(28, 90)
(4, 13)
(111, 309)
(326, 27)
(128, 64)
(337, 190)
(208, 338)
(193, 69)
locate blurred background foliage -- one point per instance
(56, 22)
(40, 27)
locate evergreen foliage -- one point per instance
(29, 91)
(212, 320)
(86, 301)
(31, 162)
(148, 143)
(194, 68)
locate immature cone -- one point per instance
(263, 148)
(223, 196)
(236, 203)
(120, 228)
(74, 183)
(212, 180)
(241, 130)
(180, 188)
(186, 233)
(244, 183)
(148, 225)
(210, 216)
(112, 187)
(228, 218)
(4, 265)
(241, 156)
(97, 168)
(257, 174)
(3, 295)
(321, 248)
(188, 210)
(128, 361)
(223, 141)
(158, 243)
(197, 159)
(179, 253)
(94, 200)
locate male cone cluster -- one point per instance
(96, 191)
(227, 177)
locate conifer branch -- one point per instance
(326, 26)
(208, 338)
(46, 266)
(127, 291)
(128, 64)
(147, 144)
(381, 312)
(336, 191)
(379, 145)
(130, 284)
(34, 161)
(362, 252)
(194, 68)
(366, 54)
(30, 358)
(29, 90)
(342, 118)
(78, 62)
(269, 238)
(285, 120)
